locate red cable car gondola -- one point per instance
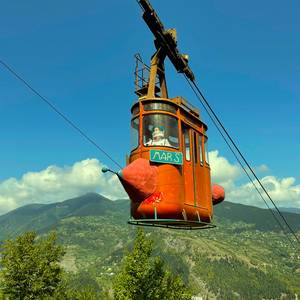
(167, 176)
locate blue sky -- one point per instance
(79, 54)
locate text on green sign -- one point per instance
(166, 157)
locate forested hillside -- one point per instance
(245, 257)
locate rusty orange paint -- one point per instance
(181, 192)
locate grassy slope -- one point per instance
(248, 264)
(241, 258)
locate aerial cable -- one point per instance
(62, 115)
(242, 166)
(244, 159)
(218, 123)
(138, 2)
(241, 155)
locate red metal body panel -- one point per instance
(184, 191)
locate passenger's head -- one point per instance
(158, 133)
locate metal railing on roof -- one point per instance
(141, 73)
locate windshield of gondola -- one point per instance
(160, 130)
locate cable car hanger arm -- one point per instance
(166, 39)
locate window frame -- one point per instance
(164, 107)
(206, 158)
(138, 132)
(171, 116)
(201, 158)
(195, 147)
(186, 133)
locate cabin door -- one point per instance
(188, 167)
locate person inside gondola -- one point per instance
(158, 137)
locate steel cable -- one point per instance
(62, 115)
(219, 124)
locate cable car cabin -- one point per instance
(168, 174)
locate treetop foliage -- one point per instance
(30, 266)
(143, 276)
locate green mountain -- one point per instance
(246, 256)
(261, 219)
(43, 217)
(290, 209)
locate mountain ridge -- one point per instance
(43, 216)
(244, 257)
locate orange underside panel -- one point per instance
(159, 192)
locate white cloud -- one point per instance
(56, 184)
(222, 171)
(284, 192)
(60, 183)
(262, 168)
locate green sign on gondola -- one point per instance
(166, 157)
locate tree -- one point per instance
(79, 286)
(64, 292)
(30, 266)
(143, 276)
